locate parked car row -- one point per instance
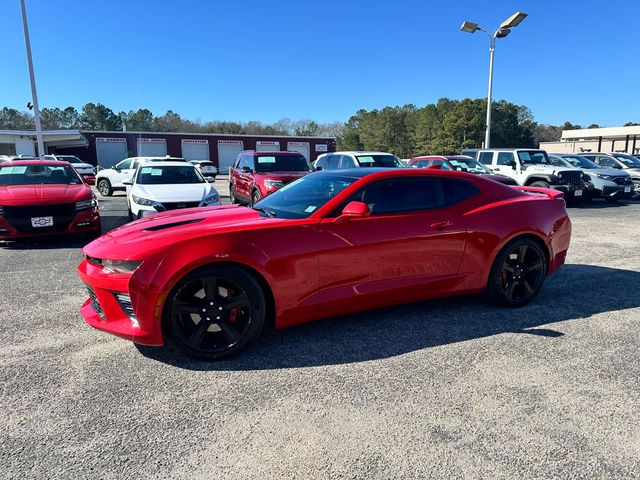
(608, 175)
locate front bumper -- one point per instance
(616, 191)
(571, 191)
(84, 221)
(104, 311)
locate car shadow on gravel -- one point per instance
(573, 294)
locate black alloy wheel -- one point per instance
(215, 312)
(517, 274)
(256, 197)
(104, 187)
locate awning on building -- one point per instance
(54, 138)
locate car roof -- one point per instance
(53, 163)
(359, 152)
(168, 163)
(275, 152)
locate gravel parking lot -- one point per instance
(451, 388)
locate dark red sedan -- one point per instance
(459, 163)
(45, 198)
(209, 280)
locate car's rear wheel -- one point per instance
(215, 312)
(104, 187)
(256, 197)
(517, 274)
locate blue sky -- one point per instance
(571, 60)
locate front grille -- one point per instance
(570, 178)
(176, 205)
(95, 304)
(623, 180)
(20, 217)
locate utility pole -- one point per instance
(34, 94)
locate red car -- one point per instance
(209, 280)
(255, 175)
(460, 163)
(45, 198)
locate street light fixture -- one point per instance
(504, 30)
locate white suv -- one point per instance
(161, 186)
(532, 167)
(109, 180)
(336, 160)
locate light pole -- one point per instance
(502, 31)
(34, 94)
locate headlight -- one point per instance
(145, 201)
(603, 176)
(84, 204)
(273, 183)
(120, 266)
(212, 199)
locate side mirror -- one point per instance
(247, 170)
(318, 169)
(114, 168)
(127, 181)
(354, 210)
(513, 164)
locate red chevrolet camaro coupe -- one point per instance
(209, 280)
(40, 198)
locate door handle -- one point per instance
(442, 225)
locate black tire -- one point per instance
(201, 298)
(517, 274)
(540, 184)
(232, 194)
(104, 187)
(255, 197)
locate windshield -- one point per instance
(38, 175)
(282, 163)
(581, 162)
(628, 160)
(530, 157)
(385, 161)
(301, 198)
(468, 165)
(168, 174)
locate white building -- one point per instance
(614, 139)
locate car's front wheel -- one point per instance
(256, 197)
(517, 274)
(104, 187)
(214, 312)
(636, 189)
(541, 184)
(232, 194)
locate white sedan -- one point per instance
(161, 186)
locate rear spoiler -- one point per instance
(551, 194)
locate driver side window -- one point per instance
(505, 158)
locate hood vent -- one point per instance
(171, 225)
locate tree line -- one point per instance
(96, 116)
(444, 127)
